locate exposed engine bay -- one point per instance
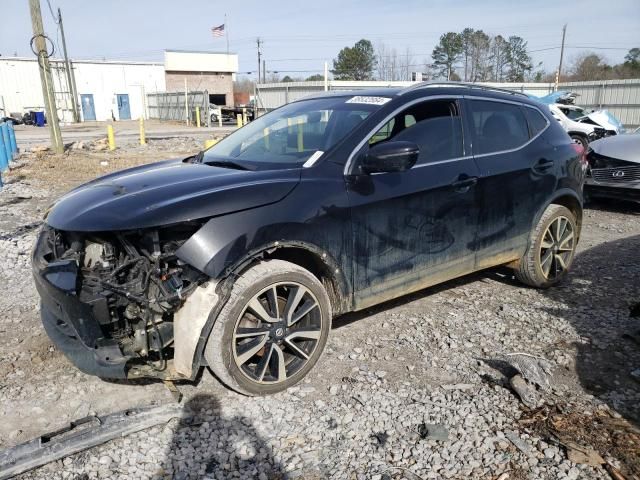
(133, 283)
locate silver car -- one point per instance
(614, 167)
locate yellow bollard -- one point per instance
(210, 143)
(244, 115)
(290, 125)
(198, 117)
(143, 138)
(265, 135)
(111, 138)
(300, 140)
(239, 119)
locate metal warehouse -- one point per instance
(620, 97)
(117, 90)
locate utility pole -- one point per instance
(259, 53)
(45, 76)
(71, 83)
(264, 71)
(564, 32)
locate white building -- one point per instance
(116, 89)
(106, 89)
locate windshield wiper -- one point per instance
(225, 164)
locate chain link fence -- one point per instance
(171, 106)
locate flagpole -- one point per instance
(226, 31)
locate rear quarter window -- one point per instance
(497, 126)
(537, 122)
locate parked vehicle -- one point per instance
(229, 114)
(582, 126)
(12, 120)
(240, 256)
(614, 168)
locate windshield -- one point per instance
(574, 113)
(295, 133)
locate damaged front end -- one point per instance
(109, 299)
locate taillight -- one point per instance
(581, 152)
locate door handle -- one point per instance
(543, 165)
(464, 183)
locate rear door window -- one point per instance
(497, 126)
(537, 122)
(435, 126)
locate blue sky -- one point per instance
(299, 35)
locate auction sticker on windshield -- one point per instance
(369, 100)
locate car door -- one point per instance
(517, 175)
(412, 229)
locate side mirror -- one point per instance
(390, 157)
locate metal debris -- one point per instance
(80, 435)
(433, 431)
(533, 369)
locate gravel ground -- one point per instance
(416, 388)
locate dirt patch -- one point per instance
(606, 433)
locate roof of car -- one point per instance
(431, 87)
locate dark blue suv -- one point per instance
(240, 256)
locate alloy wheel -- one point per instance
(556, 248)
(277, 332)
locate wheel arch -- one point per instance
(567, 198)
(306, 255)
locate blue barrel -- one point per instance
(4, 160)
(4, 127)
(39, 119)
(12, 140)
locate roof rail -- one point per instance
(478, 86)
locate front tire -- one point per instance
(580, 139)
(272, 330)
(551, 249)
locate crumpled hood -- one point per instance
(606, 120)
(619, 147)
(165, 193)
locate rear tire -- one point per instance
(551, 249)
(272, 330)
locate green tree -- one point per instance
(447, 53)
(632, 59)
(355, 63)
(287, 78)
(315, 78)
(518, 59)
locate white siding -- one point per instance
(21, 91)
(186, 61)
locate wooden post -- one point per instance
(71, 83)
(186, 102)
(45, 76)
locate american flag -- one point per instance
(218, 31)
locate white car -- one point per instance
(582, 125)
